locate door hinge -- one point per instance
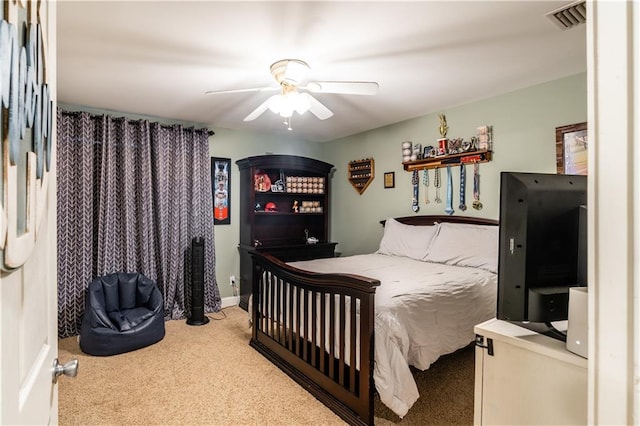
(480, 344)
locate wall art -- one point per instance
(221, 189)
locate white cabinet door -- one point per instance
(530, 379)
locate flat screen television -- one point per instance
(542, 247)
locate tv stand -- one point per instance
(529, 378)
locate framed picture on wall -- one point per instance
(221, 190)
(389, 179)
(571, 149)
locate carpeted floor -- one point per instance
(209, 375)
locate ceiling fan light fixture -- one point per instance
(300, 102)
(285, 104)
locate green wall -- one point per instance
(523, 121)
(237, 145)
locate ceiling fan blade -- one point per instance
(253, 89)
(316, 108)
(343, 87)
(258, 111)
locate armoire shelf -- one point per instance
(298, 189)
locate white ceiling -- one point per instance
(158, 58)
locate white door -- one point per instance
(28, 293)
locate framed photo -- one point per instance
(221, 190)
(390, 180)
(571, 149)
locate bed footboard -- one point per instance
(317, 328)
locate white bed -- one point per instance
(423, 309)
(415, 299)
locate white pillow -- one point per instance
(465, 245)
(406, 240)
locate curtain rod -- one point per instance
(166, 126)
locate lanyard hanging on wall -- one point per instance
(463, 183)
(414, 181)
(425, 181)
(449, 208)
(436, 184)
(476, 187)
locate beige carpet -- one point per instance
(209, 375)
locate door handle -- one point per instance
(68, 369)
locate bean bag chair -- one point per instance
(123, 312)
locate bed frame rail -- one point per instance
(319, 329)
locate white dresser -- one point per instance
(530, 379)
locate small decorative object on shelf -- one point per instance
(443, 142)
(485, 135)
(304, 185)
(416, 152)
(406, 151)
(361, 173)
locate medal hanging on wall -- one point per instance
(476, 187)
(425, 182)
(414, 181)
(449, 208)
(436, 184)
(463, 183)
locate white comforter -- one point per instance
(423, 310)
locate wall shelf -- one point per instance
(481, 156)
(361, 174)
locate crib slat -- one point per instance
(263, 306)
(332, 334)
(314, 326)
(305, 321)
(341, 348)
(352, 345)
(291, 318)
(297, 327)
(323, 322)
(270, 312)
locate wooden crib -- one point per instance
(336, 369)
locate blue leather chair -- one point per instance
(123, 312)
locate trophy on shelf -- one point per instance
(443, 142)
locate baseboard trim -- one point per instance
(230, 301)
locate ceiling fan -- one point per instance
(289, 74)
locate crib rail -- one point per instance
(318, 328)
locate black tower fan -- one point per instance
(197, 283)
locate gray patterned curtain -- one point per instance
(131, 195)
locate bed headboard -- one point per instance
(427, 220)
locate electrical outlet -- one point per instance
(232, 280)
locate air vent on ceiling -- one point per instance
(569, 15)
